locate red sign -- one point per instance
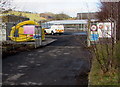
(93, 28)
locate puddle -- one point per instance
(32, 61)
(80, 33)
(31, 83)
(22, 66)
(40, 51)
(66, 53)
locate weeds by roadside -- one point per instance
(10, 49)
(105, 67)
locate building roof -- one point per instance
(91, 15)
(69, 22)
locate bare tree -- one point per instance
(106, 58)
(110, 11)
(5, 5)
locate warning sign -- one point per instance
(105, 29)
(93, 28)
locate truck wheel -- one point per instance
(45, 32)
(60, 33)
(52, 32)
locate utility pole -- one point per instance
(88, 30)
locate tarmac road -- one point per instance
(63, 62)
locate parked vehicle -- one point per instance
(26, 31)
(54, 29)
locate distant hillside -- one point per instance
(31, 16)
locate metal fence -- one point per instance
(9, 45)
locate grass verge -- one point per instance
(97, 77)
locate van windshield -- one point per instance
(45, 25)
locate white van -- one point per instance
(55, 29)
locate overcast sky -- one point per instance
(70, 7)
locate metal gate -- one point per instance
(38, 36)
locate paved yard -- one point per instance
(64, 62)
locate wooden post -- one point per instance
(88, 34)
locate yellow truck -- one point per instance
(22, 36)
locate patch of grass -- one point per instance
(97, 77)
(118, 59)
(111, 77)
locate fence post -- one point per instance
(88, 34)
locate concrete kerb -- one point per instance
(44, 43)
(30, 45)
(48, 41)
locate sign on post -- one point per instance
(105, 30)
(100, 30)
(93, 28)
(94, 36)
